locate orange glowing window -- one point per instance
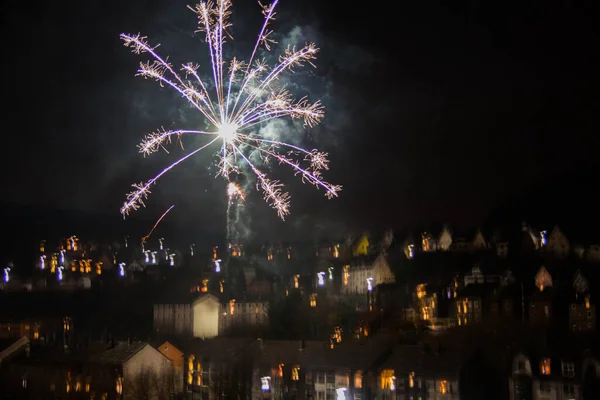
(545, 366)
(443, 387)
(346, 274)
(358, 380)
(388, 380)
(296, 373)
(190, 371)
(232, 306)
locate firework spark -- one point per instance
(235, 191)
(245, 97)
(156, 224)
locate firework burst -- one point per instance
(243, 98)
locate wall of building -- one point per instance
(206, 317)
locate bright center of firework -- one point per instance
(228, 131)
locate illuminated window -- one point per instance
(313, 300)
(204, 288)
(119, 385)
(545, 366)
(358, 379)
(421, 292)
(337, 335)
(336, 251)
(190, 372)
(426, 242)
(232, 306)
(36, 335)
(411, 379)
(321, 278)
(346, 274)
(221, 286)
(215, 252)
(296, 373)
(87, 384)
(296, 281)
(289, 254)
(587, 302)
(265, 383)
(270, 255)
(280, 370)
(388, 380)
(443, 387)
(77, 385)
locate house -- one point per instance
(445, 239)
(593, 253)
(102, 370)
(218, 365)
(361, 246)
(468, 306)
(426, 302)
(361, 276)
(478, 242)
(557, 244)
(419, 372)
(545, 374)
(175, 355)
(582, 311)
(237, 316)
(206, 317)
(476, 276)
(505, 303)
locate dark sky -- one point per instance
(436, 110)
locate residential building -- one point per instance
(546, 376)
(207, 317)
(417, 372)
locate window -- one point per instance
(444, 387)
(569, 391)
(358, 379)
(388, 379)
(545, 366)
(296, 373)
(568, 369)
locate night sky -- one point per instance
(436, 111)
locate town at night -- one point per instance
(300, 200)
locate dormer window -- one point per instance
(568, 369)
(545, 366)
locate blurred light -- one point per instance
(265, 383)
(321, 278)
(122, 269)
